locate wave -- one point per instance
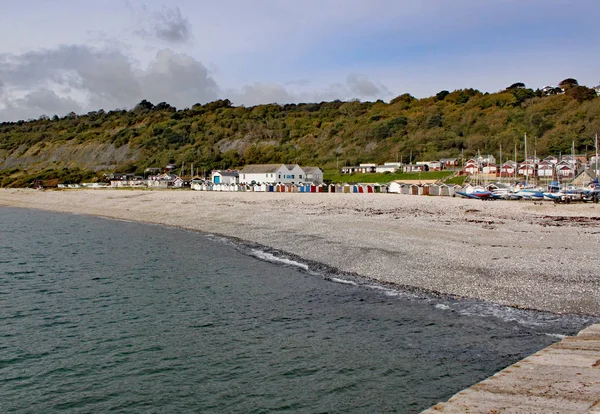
(276, 259)
(343, 281)
(541, 322)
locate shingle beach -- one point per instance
(530, 255)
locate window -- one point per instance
(279, 175)
(300, 176)
(292, 177)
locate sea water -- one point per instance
(101, 315)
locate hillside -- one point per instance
(327, 134)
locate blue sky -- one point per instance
(71, 55)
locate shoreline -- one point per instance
(528, 256)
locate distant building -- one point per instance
(415, 168)
(390, 167)
(431, 165)
(263, 173)
(313, 175)
(486, 159)
(449, 162)
(490, 168)
(272, 174)
(584, 178)
(361, 169)
(508, 169)
(546, 169)
(224, 177)
(566, 168)
(472, 167)
(527, 169)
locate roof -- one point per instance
(291, 166)
(589, 173)
(227, 173)
(447, 159)
(261, 168)
(310, 170)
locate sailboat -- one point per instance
(527, 191)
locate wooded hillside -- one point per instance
(326, 134)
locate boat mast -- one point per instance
(516, 166)
(596, 170)
(573, 158)
(535, 160)
(500, 163)
(525, 151)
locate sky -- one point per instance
(80, 55)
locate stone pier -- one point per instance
(562, 378)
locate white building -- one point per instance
(487, 159)
(280, 173)
(263, 173)
(431, 165)
(391, 167)
(295, 174)
(224, 177)
(313, 175)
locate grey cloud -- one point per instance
(168, 25)
(98, 71)
(363, 87)
(356, 86)
(99, 78)
(178, 79)
(299, 82)
(39, 102)
(263, 93)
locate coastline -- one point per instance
(534, 256)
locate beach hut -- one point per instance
(425, 189)
(332, 188)
(347, 188)
(339, 188)
(452, 189)
(313, 188)
(414, 189)
(395, 187)
(445, 190)
(370, 189)
(434, 190)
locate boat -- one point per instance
(479, 193)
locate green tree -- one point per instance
(568, 83)
(581, 93)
